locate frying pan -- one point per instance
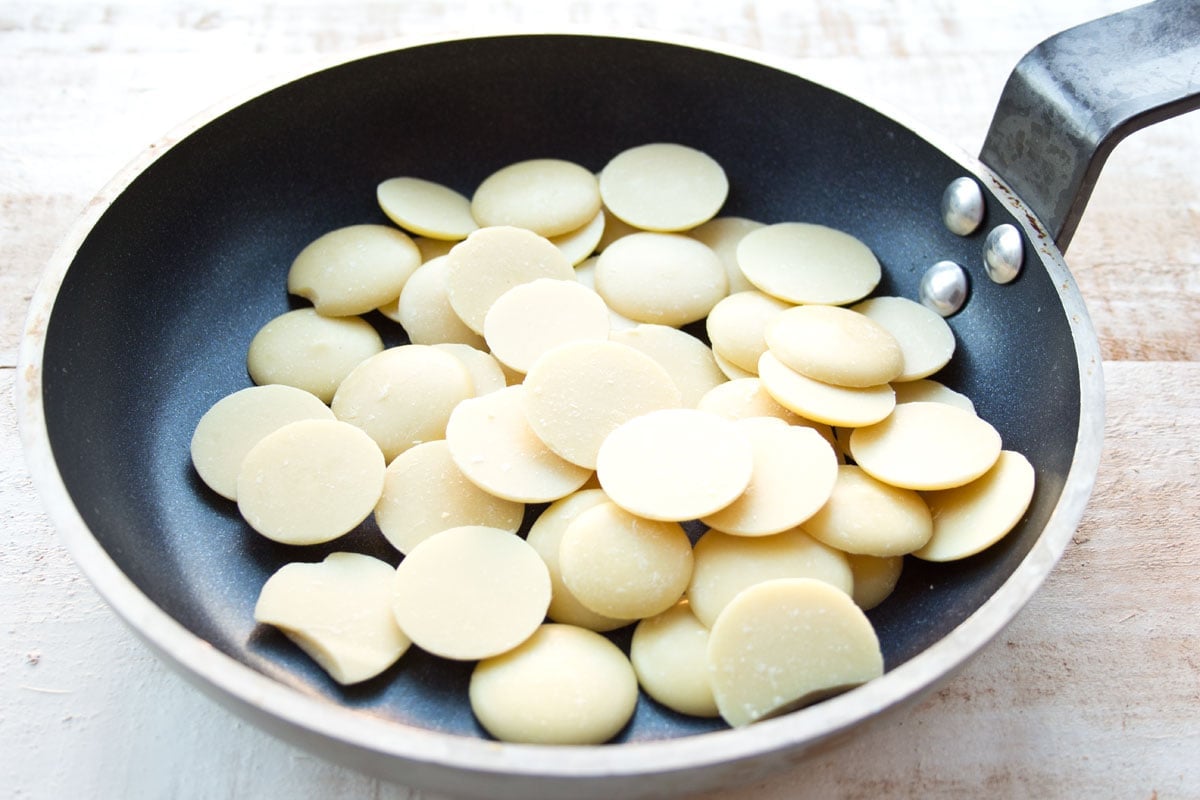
(142, 321)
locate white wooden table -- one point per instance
(1094, 691)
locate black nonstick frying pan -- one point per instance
(143, 320)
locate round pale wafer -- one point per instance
(579, 393)
(470, 592)
(426, 208)
(491, 442)
(623, 566)
(675, 464)
(423, 308)
(925, 338)
(926, 446)
(805, 263)
(303, 349)
(548, 196)
(824, 402)
(669, 655)
(869, 517)
(338, 611)
(236, 422)
(563, 686)
(310, 481)
(737, 324)
(834, 345)
(545, 535)
(531, 318)
(794, 474)
(354, 270)
(491, 261)
(663, 186)
(403, 396)
(424, 493)
(788, 643)
(971, 518)
(663, 278)
(725, 565)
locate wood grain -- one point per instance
(1093, 691)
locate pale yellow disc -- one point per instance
(663, 186)
(426, 208)
(236, 422)
(424, 311)
(726, 565)
(926, 390)
(424, 493)
(732, 371)
(926, 446)
(676, 464)
(493, 260)
(487, 374)
(403, 396)
(664, 278)
(833, 405)
(585, 273)
(971, 518)
(925, 338)
(532, 318)
(875, 578)
(545, 535)
(688, 360)
(805, 263)
(580, 392)
(723, 234)
(869, 517)
(835, 345)
(669, 653)
(303, 349)
(548, 196)
(470, 592)
(788, 643)
(564, 686)
(339, 612)
(737, 326)
(578, 244)
(794, 473)
(354, 270)
(624, 566)
(492, 443)
(310, 481)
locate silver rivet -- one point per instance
(944, 288)
(1003, 253)
(962, 206)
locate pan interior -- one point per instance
(154, 317)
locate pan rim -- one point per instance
(233, 682)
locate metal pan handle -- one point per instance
(1072, 98)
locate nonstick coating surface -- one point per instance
(153, 319)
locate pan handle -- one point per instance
(1071, 99)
